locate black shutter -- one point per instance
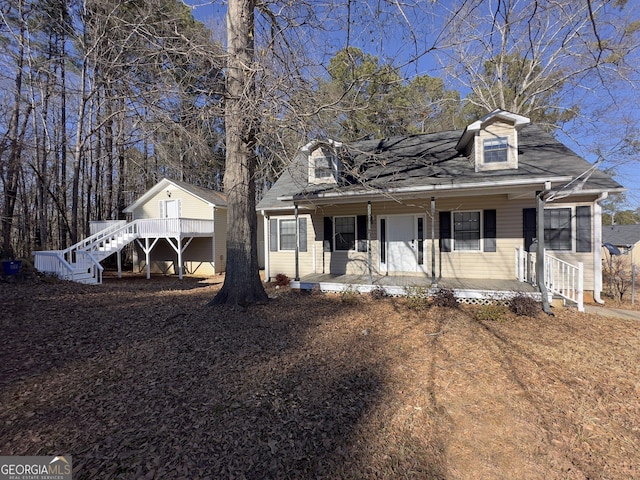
(273, 235)
(445, 231)
(583, 229)
(361, 233)
(489, 230)
(327, 244)
(302, 232)
(528, 227)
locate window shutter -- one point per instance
(489, 230)
(445, 231)
(583, 229)
(327, 244)
(361, 232)
(302, 232)
(273, 235)
(528, 227)
(162, 205)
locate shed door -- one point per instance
(171, 209)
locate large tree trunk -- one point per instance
(242, 285)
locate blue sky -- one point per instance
(581, 140)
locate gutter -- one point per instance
(433, 188)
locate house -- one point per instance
(452, 208)
(174, 227)
(626, 238)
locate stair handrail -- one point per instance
(61, 261)
(97, 269)
(560, 277)
(107, 232)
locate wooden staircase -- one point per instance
(81, 262)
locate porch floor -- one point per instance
(395, 284)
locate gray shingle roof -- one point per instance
(621, 235)
(421, 161)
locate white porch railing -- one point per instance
(560, 277)
(81, 262)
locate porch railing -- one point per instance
(560, 277)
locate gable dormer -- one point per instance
(492, 142)
(323, 161)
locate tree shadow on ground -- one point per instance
(280, 391)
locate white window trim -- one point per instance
(480, 248)
(496, 140)
(574, 233)
(280, 220)
(335, 168)
(355, 233)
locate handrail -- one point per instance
(560, 277)
(68, 261)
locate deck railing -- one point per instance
(83, 258)
(560, 277)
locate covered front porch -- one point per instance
(466, 290)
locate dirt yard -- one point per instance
(141, 379)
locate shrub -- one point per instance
(444, 297)
(378, 292)
(492, 312)
(282, 280)
(524, 305)
(349, 295)
(417, 297)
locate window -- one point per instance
(495, 150)
(287, 234)
(282, 234)
(466, 230)
(557, 228)
(345, 233)
(324, 167)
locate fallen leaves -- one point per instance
(140, 379)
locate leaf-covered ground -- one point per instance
(141, 379)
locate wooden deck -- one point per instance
(468, 289)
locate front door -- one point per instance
(403, 239)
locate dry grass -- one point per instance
(140, 379)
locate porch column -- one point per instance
(369, 255)
(540, 201)
(119, 258)
(180, 257)
(295, 211)
(265, 235)
(433, 241)
(147, 253)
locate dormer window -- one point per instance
(491, 143)
(496, 150)
(324, 166)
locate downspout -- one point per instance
(540, 247)
(265, 234)
(597, 248)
